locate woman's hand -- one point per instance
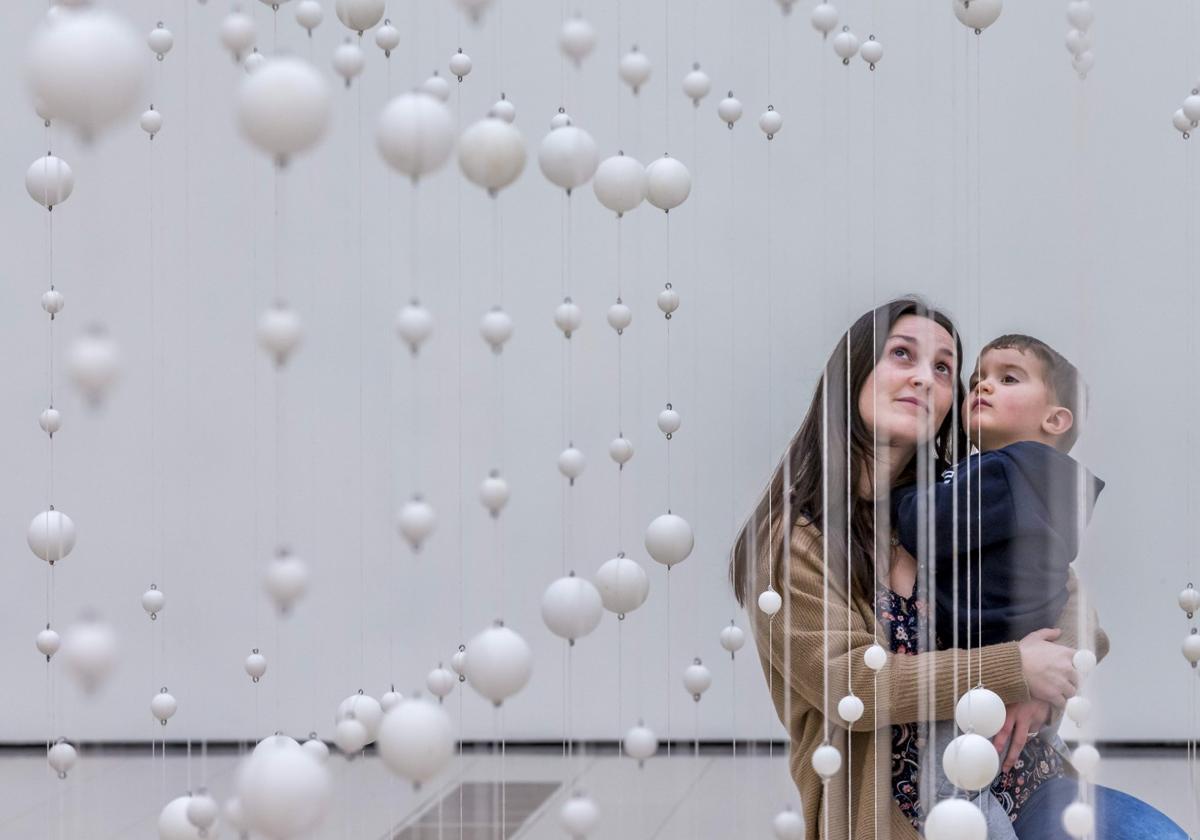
(1048, 668)
(1021, 721)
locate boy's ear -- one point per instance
(1059, 421)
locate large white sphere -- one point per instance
(971, 762)
(668, 183)
(280, 332)
(955, 819)
(732, 637)
(669, 421)
(623, 585)
(415, 133)
(634, 68)
(571, 463)
(577, 38)
(579, 816)
(824, 18)
(1078, 819)
(283, 108)
(620, 184)
(255, 665)
(87, 68)
(350, 736)
(494, 493)
(620, 450)
(48, 642)
(366, 710)
(1078, 42)
(696, 84)
(440, 682)
(1086, 758)
(696, 679)
(1190, 647)
(163, 706)
(237, 33)
(977, 14)
(160, 40)
(49, 181)
(1084, 62)
(1191, 107)
(51, 535)
(309, 14)
(826, 760)
(284, 792)
(202, 812)
(387, 38)
(253, 61)
(437, 87)
(875, 657)
(496, 327)
(669, 539)
(571, 607)
(286, 580)
(788, 825)
(62, 757)
(498, 663)
(729, 109)
(980, 711)
(94, 363)
(359, 15)
(1079, 709)
(348, 60)
(173, 822)
(416, 740)
(668, 300)
(640, 742)
(770, 601)
(850, 708)
(276, 742)
(90, 651)
(414, 324)
(568, 156)
(491, 153)
(416, 521)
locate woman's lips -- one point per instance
(911, 401)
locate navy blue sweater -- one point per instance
(1018, 518)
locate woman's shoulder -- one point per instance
(806, 537)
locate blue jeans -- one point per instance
(1119, 816)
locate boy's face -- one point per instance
(1008, 400)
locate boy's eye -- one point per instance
(1009, 378)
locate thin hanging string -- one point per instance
(849, 636)
(1190, 253)
(979, 324)
(461, 582)
(362, 466)
(730, 249)
(825, 555)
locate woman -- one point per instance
(900, 362)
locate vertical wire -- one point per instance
(849, 574)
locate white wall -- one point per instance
(1083, 242)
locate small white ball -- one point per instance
(496, 328)
(359, 15)
(365, 709)
(94, 363)
(732, 638)
(62, 757)
(494, 493)
(668, 183)
(845, 45)
(255, 665)
(284, 107)
(977, 14)
(850, 708)
(387, 38)
(971, 762)
(980, 711)
(1083, 63)
(788, 825)
(416, 740)
(875, 657)
(669, 539)
(640, 743)
(1086, 758)
(579, 816)
(619, 316)
(577, 38)
(571, 463)
(1079, 709)
(669, 421)
(568, 157)
(824, 18)
(90, 650)
(350, 736)
(437, 87)
(51, 535)
(826, 760)
(1189, 598)
(620, 450)
(173, 823)
(729, 109)
(202, 812)
(634, 69)
(871, 52)
(163, 706)
(491, 153)
(770, 122)
(49, 181)
(955, 819)
(503, 109)
(390, 700)
(696, 84)
(237, 33)
(309, 14)
(283, 791)
(414, 324)
(460, 64)
(696, 679)
(348, 60)
(620, 185)
(623, 585)
(459, 662)
(1084, 661)
(770, 602)
(286, 580)
(48, 643)
(1078, 819)
(568, 317)
(254, 61)
(317, 749)
(1078, 42)
(53, 301)
(160, 40)
(571, 607)
(1191, 107)
(1183, 125)
(1080, 14)
(668, 301)
(276, 742)
(440, 682)
(280, 332)
(1191, 643)
(416, 521)
(153, 601)
(151, 122)
(498, 663)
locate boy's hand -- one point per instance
(1021, 720)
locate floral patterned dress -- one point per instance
(1038, 761)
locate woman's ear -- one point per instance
(1059, 421)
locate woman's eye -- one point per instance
(900, 353)
(943, 368)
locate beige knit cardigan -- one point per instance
(905, 693)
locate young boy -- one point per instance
(1017, 520)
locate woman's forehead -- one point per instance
(924, 330)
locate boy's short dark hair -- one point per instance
(1063, 379)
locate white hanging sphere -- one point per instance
(348, 60)
(153, 600)
(696, 679)
(971, 762)
(87, 68)
(309, 14)
(623, 585)
(280, 332)
(494, 493)
(316, 748)
(90, 651)
(173, 823)
(94, 364)
(875, 657)
(255, 665)
(669, 421)
(416, 522)
(414, 324)
(871, 51)
(503, 110)
(577, 38)
(387, 37)
(284, 792)
(668, 301)
(732, 638)
(561, 119)
(980, 711)
(1191, 643)
(850, 708)
(579, 816)
(620, 450)
(1084, 62)
(237, 33)
(1189, 599)
(620, 185)
(498, 663)
(50, 421)
(1084, 661)
(286, 580)
(770, 122)
(1080, 14)
(254, 61)
(568, 157)
(51, 535)
(977, 14)
(163, 706)
(437, 87)
(440, 682)
(49, 181)
(955, 819)
(770, 602)
(729, 109)
(284, 107)
(350, 736)
(571, 607)
(47, 642)
(619, 315)
(202, 812)
(824, 18)
(235, 817)
(53, 301)
(416, 740)
(788, 825)
(571, 463)
(568, 317)
(496, 328)
(276, 742)
(668, 183)
(1184, 125)
(473, 8)
(669, 539)
(491, 153)
(151, 121)
(160, 40)
(696, 84)
(1078, 42)
(359, 15)
(460, 64)
(1191, 107)
(640, 743)
(1086, 758)
(62, 757)
(390, 700)
(365, 709)
(1078, 819)
(826, 760)
(459, 662)
(1079, 709)
(634, 69)
(845, 44)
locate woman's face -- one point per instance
(908, 394)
